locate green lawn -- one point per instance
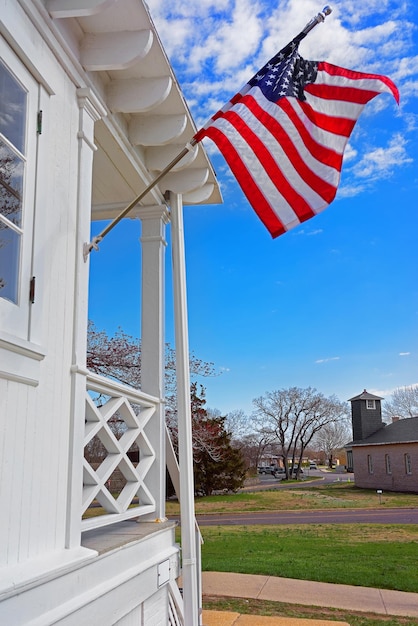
(375, 555)
(383, 556)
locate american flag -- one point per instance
(284, 134)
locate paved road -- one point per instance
(340, 516)
(267, 481)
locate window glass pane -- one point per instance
(408, 466)
(12, 109)
(9, 262)
(11, 185)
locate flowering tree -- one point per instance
(119, 357)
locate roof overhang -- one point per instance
(147, 121)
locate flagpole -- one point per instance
(94, 243)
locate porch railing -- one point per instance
(175, 605)
(118, 453)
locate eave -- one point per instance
(147, 121)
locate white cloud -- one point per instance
(385, 393)
(381, 161)
(350, 191)
(217, 45)
(407, 66)
(327, 360)
(226, 45)
(349, 153)
(308, 233)
(238, 31)
(404, 353)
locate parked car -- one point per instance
(297, 469)
(274, 470)
(312, 466)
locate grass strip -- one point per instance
(281, 609)
(378, 555)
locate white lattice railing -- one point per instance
(175, 605)
(115, 423)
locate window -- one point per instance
(370, 464)
(388, 465)
(19, 95)
(408, 464)
(371, 404)
(13, 106)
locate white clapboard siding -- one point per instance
(156, 608)
(134, 618)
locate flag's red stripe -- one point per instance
(292, 197)
(337, 125)
(318, 184)
(320, 153)
(252, 192)
(344, 94)
(334, 70)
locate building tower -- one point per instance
(366, 415)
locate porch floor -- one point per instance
(117, 535)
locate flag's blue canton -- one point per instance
(285, 75)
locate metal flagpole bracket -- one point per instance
(92, 245)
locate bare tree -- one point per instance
(403, 403)
(295, 416)
(332, 437)
(238, 424)
(254, 445)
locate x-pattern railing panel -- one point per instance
(115, 420)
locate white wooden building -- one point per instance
(90, 112)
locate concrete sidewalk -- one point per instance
(309, 593)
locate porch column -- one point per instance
(154, 220)
(190, 565)
(90, 110)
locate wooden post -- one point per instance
(187, 513)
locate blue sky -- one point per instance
(332, 304)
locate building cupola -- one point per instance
(366, 415)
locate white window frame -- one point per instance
(370, 464)
(20, 355)
(388, 464)
(408, 464)
(371, 404)
(14, 317)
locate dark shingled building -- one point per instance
(382, 456)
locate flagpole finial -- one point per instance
(316, 20)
